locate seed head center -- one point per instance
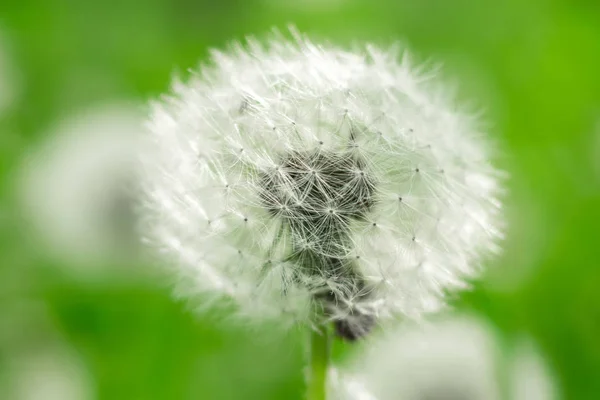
(313, 184)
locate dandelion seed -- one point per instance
(336, 202)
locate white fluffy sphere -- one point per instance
(302, 180)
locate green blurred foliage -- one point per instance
(533, 65)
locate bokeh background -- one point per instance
(97, 324)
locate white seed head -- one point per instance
(299, 179)
(456, 358)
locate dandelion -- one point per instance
(73, 189)
(38, 364)
(455, 358)
(50, 374)
(310, 184)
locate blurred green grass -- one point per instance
(533, 65)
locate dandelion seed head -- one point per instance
(301, 180)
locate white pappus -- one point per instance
(308, 183)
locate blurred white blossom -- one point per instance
(37, 363)
(455, 358)
(75, 186)
(53, 374)
(303, 180)
(530, 377)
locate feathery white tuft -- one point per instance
(301, 180)
(455, 358)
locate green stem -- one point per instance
(320, 342)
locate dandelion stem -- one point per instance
(320, 341)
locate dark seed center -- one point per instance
(317, 194)
(312, 184)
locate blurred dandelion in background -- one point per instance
(75, 189)
(311, 184)
(37, 362)
(530, 378)
(457, 357)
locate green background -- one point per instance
(533, 65)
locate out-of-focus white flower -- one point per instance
(37, 364)
(451, 360)
(347, 387)
(303, 180)
(530, 377)
(457, 358)
(75, 187)
(53, 374)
